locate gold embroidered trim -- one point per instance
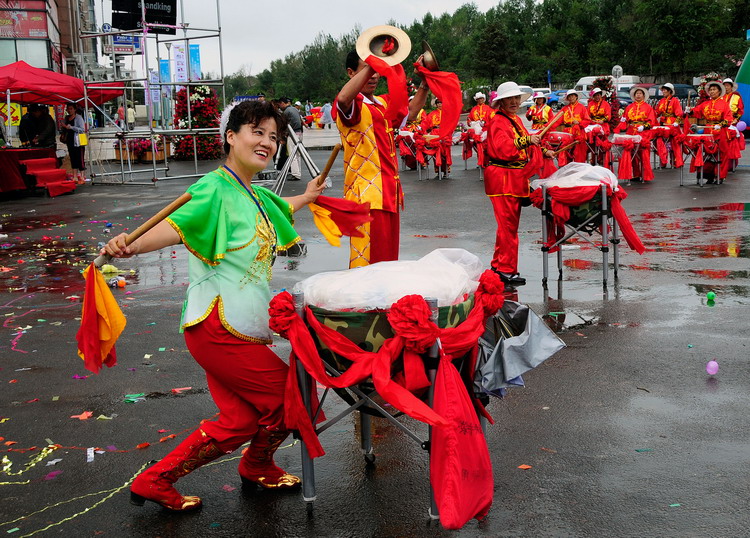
(192, 250)
(226, 324)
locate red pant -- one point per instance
(246, 381)
(507, 214)
(385, 230)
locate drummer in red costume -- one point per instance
(540, 113)
(431, 125)
(482, 111)
(512, 161)
(668, 113)
(737, 107)
(573, 119)
(370, 162)
(599, 110)
(600, 113)
(639, 117)
(718, 116)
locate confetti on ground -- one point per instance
(228, 488)
(10, 531)
(162, 349)
(83, 416)
(52, 475)
(180, 390)
(90, 454)
(55, 398)
(134, 398)
(54, 462)
(550, 450)
(644, 449)
(143, 445)
(675, 505)
(524, 467)
(104, 417)
(80, 376)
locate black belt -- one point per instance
(507, 164)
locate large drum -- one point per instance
(559, 138)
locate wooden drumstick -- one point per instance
(566, 147)
(146, 226)
(329, 164)
(550, 124)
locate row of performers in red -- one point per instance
(583, 131)
(419, 142)
(514, 155)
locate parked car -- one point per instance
(555, 99)
(624, 98)
(681, 91)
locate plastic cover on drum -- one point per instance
(578, 175)
(447, 274)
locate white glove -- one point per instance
(623, 119)
(640, 128)
(717, 127)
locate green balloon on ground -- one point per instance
(710, 296)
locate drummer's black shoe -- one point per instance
(511, 280)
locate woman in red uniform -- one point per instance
(737, 107)
(637, 119)
(513, 157)
(668, 113)
(430, 125)
(540, 113)
(600, 113)
(482, 111)
(718, 116)
(574, 118)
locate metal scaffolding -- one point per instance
(119, 135)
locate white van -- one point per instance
(625, 82)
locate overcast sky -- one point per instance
(255, 33)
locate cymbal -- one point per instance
(430, 61)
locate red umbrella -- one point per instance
(28, 84)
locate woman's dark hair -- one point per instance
(252, 113)
(352, 60)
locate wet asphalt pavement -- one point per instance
(625, 432)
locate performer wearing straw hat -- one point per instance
(599, 110)
(718, 116)
(232, 230)
(733, 99)
(431, 125)
(366, 123)
(737, 107)
(573, 118)
(481, 111)
(540, 113)
(668, 113)
(514, 156)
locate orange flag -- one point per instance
(102, 321)
(335, 217)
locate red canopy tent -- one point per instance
(27, 84)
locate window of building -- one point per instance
(34, 52)
(7, 51)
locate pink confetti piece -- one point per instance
(52, 475)
(228, 488)
(180, 390)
